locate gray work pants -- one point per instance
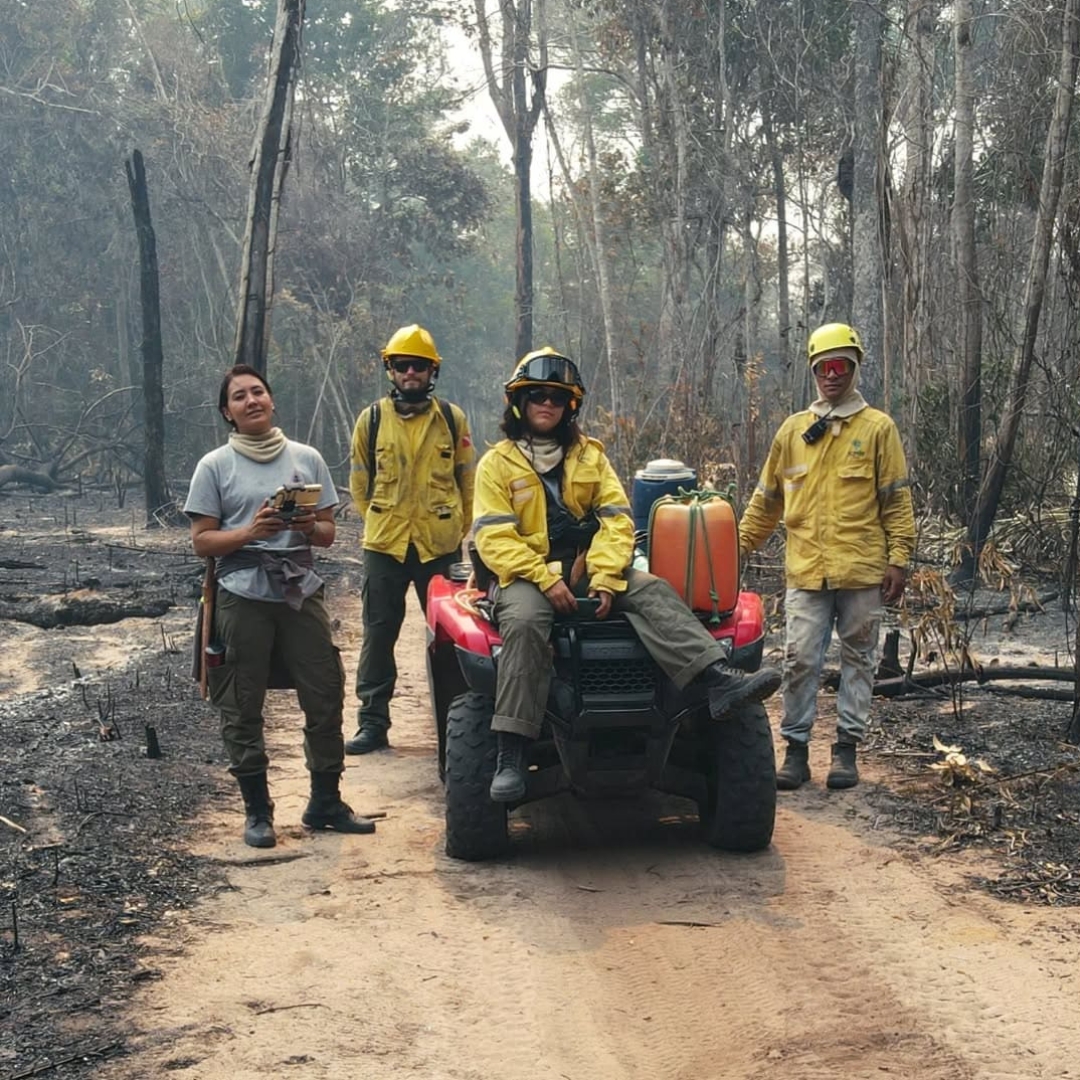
(810, 616)
(382, 596)
(670, 632)
(252, 631)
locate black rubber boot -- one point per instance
(259, 810)
(326, 810)
(843, 772)
(508, 783)
(369, 737)
(729, 689)
(796, 768)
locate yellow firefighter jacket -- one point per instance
(845, 501)
(510, 528)
(423, 489)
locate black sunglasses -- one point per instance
(409, 363)
(539, 394)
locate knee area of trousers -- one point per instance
(523, 629)
(797, 660)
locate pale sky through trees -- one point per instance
(464, 58)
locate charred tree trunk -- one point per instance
(967, 269)
(517, 88)
(867, 200)
(158, 501)
(270, 163)
(523, 292)
(783, 276)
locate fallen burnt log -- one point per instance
(17, 474)
(1034, 606)
(1039, 693)
(82, 608)
(897, 686)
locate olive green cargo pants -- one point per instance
(252, 631)
(668, 629)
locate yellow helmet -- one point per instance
(833, 336)
(546, 367)
(412, 340)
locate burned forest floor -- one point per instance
(109, 760)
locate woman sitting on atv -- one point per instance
(552, 524)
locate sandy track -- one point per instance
(613, 945)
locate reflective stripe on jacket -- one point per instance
(422, 497)
(845, 501)
(510, 527)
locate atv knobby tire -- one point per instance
(740, 810)
(475, 826)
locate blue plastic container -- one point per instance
(661, 477)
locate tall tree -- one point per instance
(270, 163)
(969, 417)
(867, 250)
(597, 240)
(914, 209)
(517, 86)
(155, 485)
(1057, 141)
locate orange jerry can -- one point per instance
(694, 546)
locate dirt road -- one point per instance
(612, 946)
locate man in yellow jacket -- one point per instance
(553, 523)
(412, 482)
(836, 474)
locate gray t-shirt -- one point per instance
(231, 487)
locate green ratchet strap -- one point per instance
(697, 517)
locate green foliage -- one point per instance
(381, 214)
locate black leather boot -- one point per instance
(259, 811)
(369, 737)
(326, 810)
(508, 784)
(729, 688)
(796, 768)
(843, 773)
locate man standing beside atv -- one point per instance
(412, 482)
(836, 474)
(553, 524)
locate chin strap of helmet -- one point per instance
(412, 397)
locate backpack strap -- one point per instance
(373, 438)
(451, 423)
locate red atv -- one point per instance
(615, 723)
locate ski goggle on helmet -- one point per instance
(548, 368)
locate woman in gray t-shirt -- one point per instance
(269, 615)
